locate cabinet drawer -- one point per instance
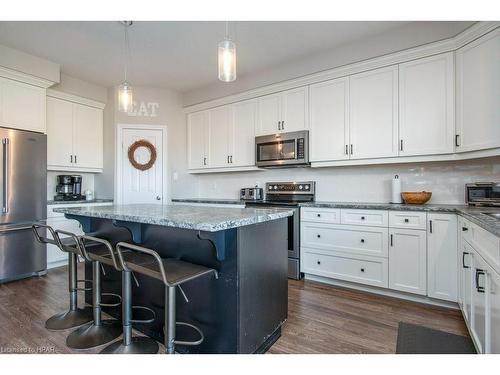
(484, 242)
(408, 219)
(359, 270)
(370, 241)
(377, 218)
(321, 215)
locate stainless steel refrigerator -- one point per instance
(23, 192)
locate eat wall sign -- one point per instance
(144, 109)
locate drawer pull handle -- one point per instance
(362, 218)
(319, 262)
(319, 215)
(362, 270)
(479, 288)
(318, 235)
(407, 220)
(464, 253)
(362, 240)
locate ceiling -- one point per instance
(178, 55)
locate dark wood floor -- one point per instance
(321, 318)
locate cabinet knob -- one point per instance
(319, 215)
(465, 229)
(362, 218)
(318, 262)
(362, 270)
(318, 235)
(362, 240)
(407, 220)
(158, 198)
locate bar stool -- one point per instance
(99, 331)
(129, 344)
(75, 316)
(173, 273)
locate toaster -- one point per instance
(252, 194)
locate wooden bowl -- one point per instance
(416, 197)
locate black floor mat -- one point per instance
(415, 339)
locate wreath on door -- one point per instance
(152, 152)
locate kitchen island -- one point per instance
(240, 312)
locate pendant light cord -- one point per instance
(227, 30)
(127, 48)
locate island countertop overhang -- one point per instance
(209, 219)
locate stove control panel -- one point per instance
(306, 187)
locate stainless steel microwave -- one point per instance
(482, 194)
(282, 150)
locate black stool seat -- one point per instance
(176, 271)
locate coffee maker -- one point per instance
(69, 188)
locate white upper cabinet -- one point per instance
(60, 132)
(329, 120)
(74, 135)
(22, 106)
(242, 135)
(223, 137)
(442, 262)
(286, 111)
(220, 122)
(269, 114)
(373, 113)
(88, 136)
(478, 93)
(426, 106)
(198, 133)
(294, 109)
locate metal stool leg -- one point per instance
(98, 332)
(129, 344)
(74, 317)
(170, 319)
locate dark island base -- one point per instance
(241, 312)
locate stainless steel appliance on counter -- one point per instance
(289, 195)
(252, 194)
(23, 185)
(282, 150)
(69, 188)
(482, 194)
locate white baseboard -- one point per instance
(384, 292)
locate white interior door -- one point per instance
(141, 186)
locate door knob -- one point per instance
(158, 198)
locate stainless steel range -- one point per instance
(290, 195)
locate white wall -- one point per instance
(397, 39)
(170, 113)
(446, 180)
(75, 86)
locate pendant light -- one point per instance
(227, 58)
(125, 96)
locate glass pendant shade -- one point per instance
(125, 97)
(227, 61)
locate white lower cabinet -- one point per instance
(55, 257)
(364, 270)
(442, 261)
(408, 260)
(479, 289)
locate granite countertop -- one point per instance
(209, 201)
(210, 219)
(53, 202)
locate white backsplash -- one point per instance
(87, 182)
(445, 180)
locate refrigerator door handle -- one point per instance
(5, 198)
(15, 229)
